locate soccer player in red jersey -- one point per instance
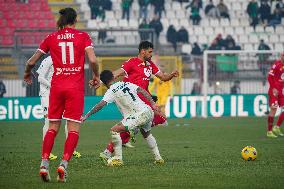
(138, 70)
(67, 48)
(276, 96)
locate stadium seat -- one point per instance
(253, 39)
(279, 46)
(259, 29)
(235, 22)
(113, 23)
(203, 39)
(184, 22)
(239, 30)
(279, 30)
(123, 23)
(133, 23)
(224, 22)
(186, 48)
(109, 15)
(209, 31)
(273, 39)
(269, 30)
(229, 31)
(176, 6)
(198, 30)
(248, 46)
(243, 39)
(219, 30)
(214, 22)
(170, 14)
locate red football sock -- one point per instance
(280, 119)
(47, 143)
(270, 123)
(70, 145)
(158, 120)
(110, 147)
(125, 136)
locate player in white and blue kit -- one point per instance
(45, 72)
(135, 114)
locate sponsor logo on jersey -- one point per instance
(68, 71)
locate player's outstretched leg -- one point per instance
(151, 141)
(276, 129)
(270, 120)
(159, 120)
(116, 160)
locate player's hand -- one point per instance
(175, 73)
(83, 118)
(275, 92)
(95, 82)
(27, 78)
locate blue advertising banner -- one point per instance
(181, 106)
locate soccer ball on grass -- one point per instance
(249, 153)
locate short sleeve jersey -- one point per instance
(277, 72)
(139, 72)
(124, 94)
(67, 50)
(45, 71)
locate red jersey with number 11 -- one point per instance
(67, 50)
(276, 76)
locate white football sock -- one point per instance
(45, 128)
(151, 141)
(66, 130)
(117, 145)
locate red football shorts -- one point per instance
(65, 103)
(276, 101)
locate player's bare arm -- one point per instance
(95, 82)
(95, 109)
(149, 98)
(118, 73)
(166, 76)
(30, 64)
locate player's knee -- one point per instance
(145, 134)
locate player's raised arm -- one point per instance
(30, 64)
(95, 109)
(166, 76)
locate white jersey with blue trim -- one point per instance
(45, 72)
(124, 94)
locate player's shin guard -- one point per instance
(117, 142)
(151, 141)
(48, 143)
(45, 128)
(125, 136)
(70, 144)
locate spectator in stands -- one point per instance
(144, 35)
(280, 3)
(143, 8)
(106, 5)
(182, 35)
(172, 36)
(236, 89)
(211, 10)
(195, 7)
(102, 36)
(159, 7)
(252, 10)
(264, 11)
(276, 16)
(2, 89)
(126, 4)
(156, 25)
(223, 9)
(97, 9)
(263, 59)
(196, 50)
(196, 89)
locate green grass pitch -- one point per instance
(199, 153)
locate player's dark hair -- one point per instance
(67, 17)
(106, 76)
(145, 45)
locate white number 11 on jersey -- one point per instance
(63, 51)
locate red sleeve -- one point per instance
(44, 46)
(155, 68)
(126, 66)
(271, 76)
(88, 41)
